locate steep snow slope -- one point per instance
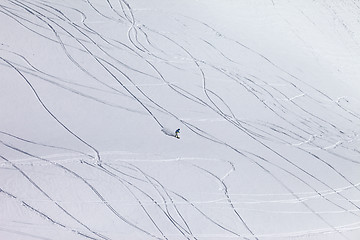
(265, 92)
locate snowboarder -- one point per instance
(177, 133)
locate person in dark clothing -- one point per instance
(177, 133)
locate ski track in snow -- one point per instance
(161, 209)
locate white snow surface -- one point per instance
(265, 92)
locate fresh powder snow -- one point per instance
(265, 92)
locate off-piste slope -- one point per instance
(265, 94)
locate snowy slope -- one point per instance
(265, 92)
